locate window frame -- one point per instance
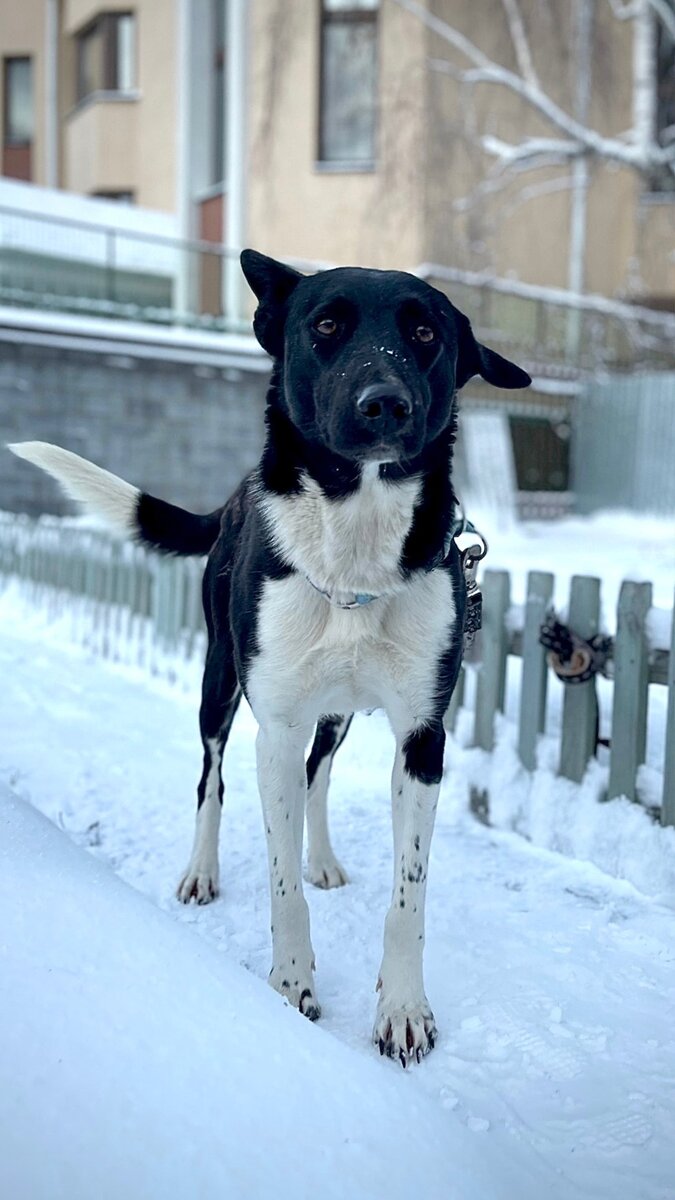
(104, 28)
(355, 15)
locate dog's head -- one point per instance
(369, 360)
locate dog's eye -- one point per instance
(327, 327)
(424, 333)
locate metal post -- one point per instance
(668, 804)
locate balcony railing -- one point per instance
(67, 265)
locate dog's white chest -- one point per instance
(315, 658)
(348, 545)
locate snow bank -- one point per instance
(619, 837)
(140, 1062)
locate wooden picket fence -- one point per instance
(135, 606)
(632, 667)
(123, 601)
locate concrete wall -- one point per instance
(187, 433)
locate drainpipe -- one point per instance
(234, 226)
(51, 110)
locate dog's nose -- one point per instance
(388, 404)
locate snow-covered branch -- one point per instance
(638, 150)
(638, 155)
(521, 44)
(553, 149)
(663, 9)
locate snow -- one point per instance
(619, 837)
(145, 1061)
(611, 545)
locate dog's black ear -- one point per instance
(272, 282)
(475, 359)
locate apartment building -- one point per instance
(341, 131)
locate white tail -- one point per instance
(101, 492)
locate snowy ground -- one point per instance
(553, 984)
(140, 1062)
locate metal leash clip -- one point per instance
(473, 618)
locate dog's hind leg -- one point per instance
(323, 868)
(220, 699)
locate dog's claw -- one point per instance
(302, 998)
(327, 874)
(201, 886)
(406, 1035)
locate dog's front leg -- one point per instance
(282, 782)
(404, 1025)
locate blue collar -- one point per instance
(360, 598)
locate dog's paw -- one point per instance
(298, 988)
(406, 1033)
(326, 873)
(199, 883)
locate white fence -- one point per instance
(132, 605)
(123, 601)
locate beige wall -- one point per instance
(656, 249)
(408, 210)
(427, 199)
(77, 13)
(101, 147)
(126, 144)
(158, 115)
(522, 225)
(22, 32)
(296, 209)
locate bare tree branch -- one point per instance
(520, 42)
(555, 150)
(639, 153)
(499, 180)
(666, 13)
(629, 11)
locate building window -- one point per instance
(106, 55)
(348, 82)
(18, 131)
(665, 99)
(119, 195)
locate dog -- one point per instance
(333, 585)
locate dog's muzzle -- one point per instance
(386, 409)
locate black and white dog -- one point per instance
(332, 585)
